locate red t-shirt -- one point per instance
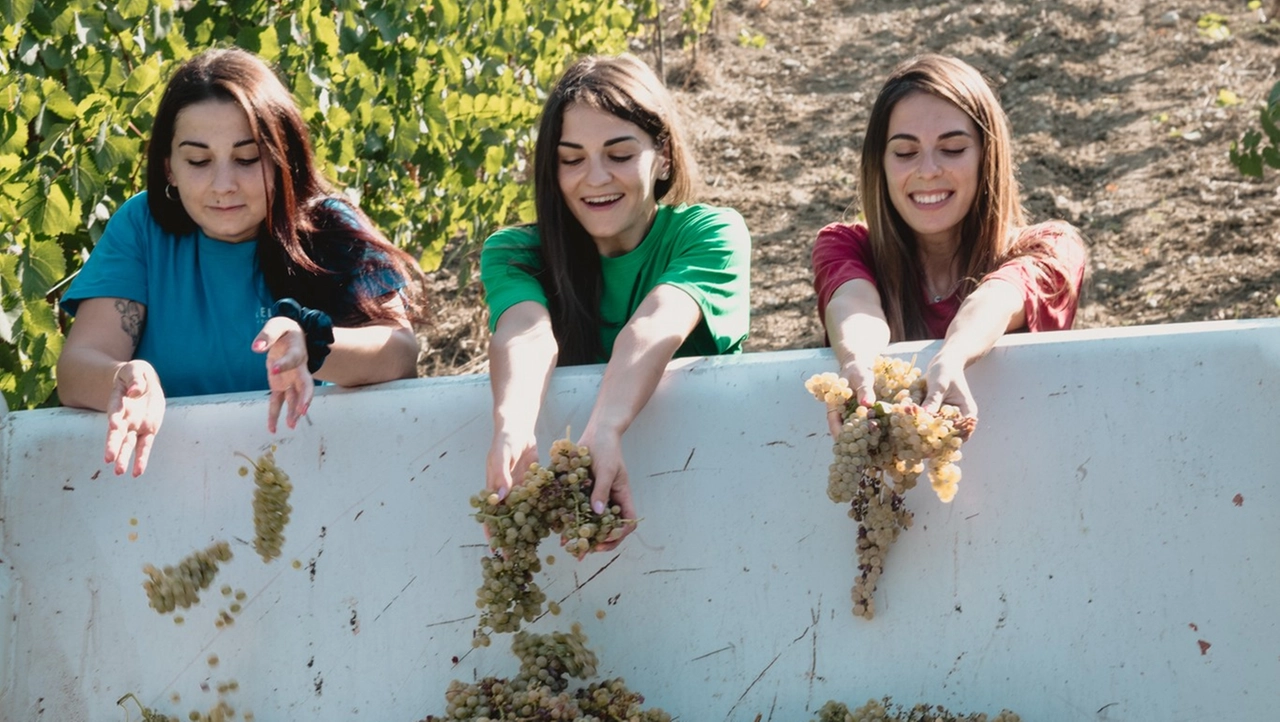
(842, 253)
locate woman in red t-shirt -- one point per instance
(945, 251)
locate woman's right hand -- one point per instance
(509, 456)
(135, 411)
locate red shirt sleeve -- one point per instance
(841, 254)
(1050, 293)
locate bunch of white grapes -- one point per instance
(540, 690)
(271, 507)
(555, 499)
(884, 711)
(880, 452)
(180, 586)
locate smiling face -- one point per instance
(224, 182)
(931, 166)
(607, 171)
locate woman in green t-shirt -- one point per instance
(616, 269)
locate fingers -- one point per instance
(834, 422)
(120, 435)
(621, 497)
(933, 400)
(273, 410)
(284, 343)
(127, 444)
(503, 469)
(619, 493)
(142, 453)
(298, 400)
(498, 476)
(865, 395)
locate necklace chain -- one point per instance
(937, 298)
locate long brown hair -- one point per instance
(625, 87)
(314, 245)
(989, 233)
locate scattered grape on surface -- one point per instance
(880, 453)
(884, 711)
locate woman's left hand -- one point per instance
(945, 383)
(612, 485)
(292, 386)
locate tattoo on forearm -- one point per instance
(132, 316)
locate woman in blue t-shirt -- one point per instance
(238, 252)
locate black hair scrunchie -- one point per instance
(316, 326)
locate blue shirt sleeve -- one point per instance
(117, 266)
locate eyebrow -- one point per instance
(607, 143)
(944, 136)
(198, 144)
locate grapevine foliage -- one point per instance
(422, 111)
(1248, 154)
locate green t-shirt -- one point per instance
(704, 251)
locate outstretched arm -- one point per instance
(992, 310)
(858, 332)
(97, 371)
(641, 353)
(522, 354)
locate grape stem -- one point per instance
(120, 703)
(251, 461)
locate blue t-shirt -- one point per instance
(206, 300)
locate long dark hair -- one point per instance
(991, 231)
(622, 86)
(314, 245)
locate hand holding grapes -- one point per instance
(611, 483)
(861, 376)
(946, 384)
(135, 412)
(510, 455)
(291, 383)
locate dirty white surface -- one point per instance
(1112, 553)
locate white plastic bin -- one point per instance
(1113, 552)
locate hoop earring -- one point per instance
(170, 192)
(665, 175)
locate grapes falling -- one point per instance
(180, 586)
(271, 507)
(880, 453)
(552, 499)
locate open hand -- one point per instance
(135, 411)
(292, 386)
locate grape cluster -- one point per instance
(180, 586)
(540, 690)
(552, 499)
(270, 505)
(885, 711)
(880, 453)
